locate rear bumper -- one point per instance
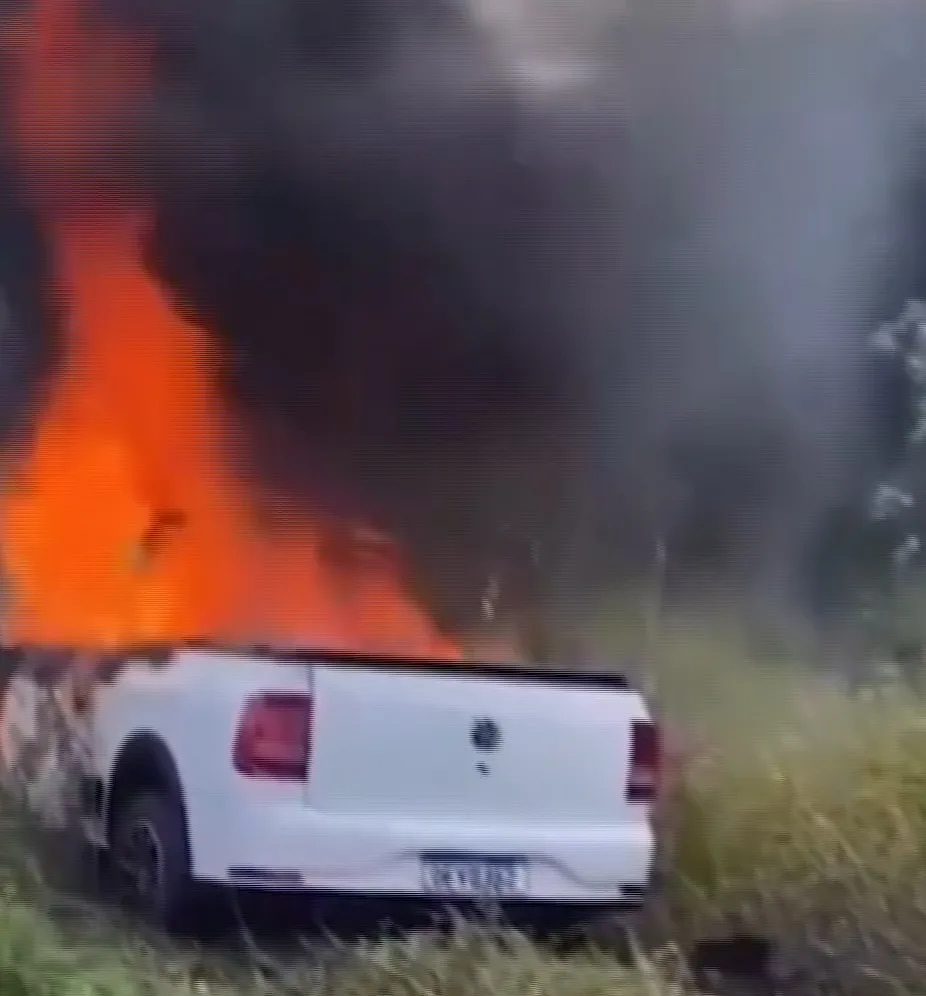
(296, 850)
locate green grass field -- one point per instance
(799, 814)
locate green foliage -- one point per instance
(36, 959)
(801, 813)
(52, 944)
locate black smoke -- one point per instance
(382, 228)
(528, 331)
(30, 316)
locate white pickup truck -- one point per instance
(335, 774)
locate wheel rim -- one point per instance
(141, 866)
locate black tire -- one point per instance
(150, 861)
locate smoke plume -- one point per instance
(481, 283)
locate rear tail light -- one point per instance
(274, 737)
(645, 762)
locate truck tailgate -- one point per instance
(478, 744)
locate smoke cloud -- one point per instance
(485, 277)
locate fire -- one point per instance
(126, 521)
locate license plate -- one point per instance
(496, 878)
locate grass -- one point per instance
(798, 813)
(38, 958)
(801, 813)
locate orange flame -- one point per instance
(126, 522)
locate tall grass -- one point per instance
(800, 810)
(37, 958)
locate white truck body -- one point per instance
(328, 773)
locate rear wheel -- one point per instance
(150, 860)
